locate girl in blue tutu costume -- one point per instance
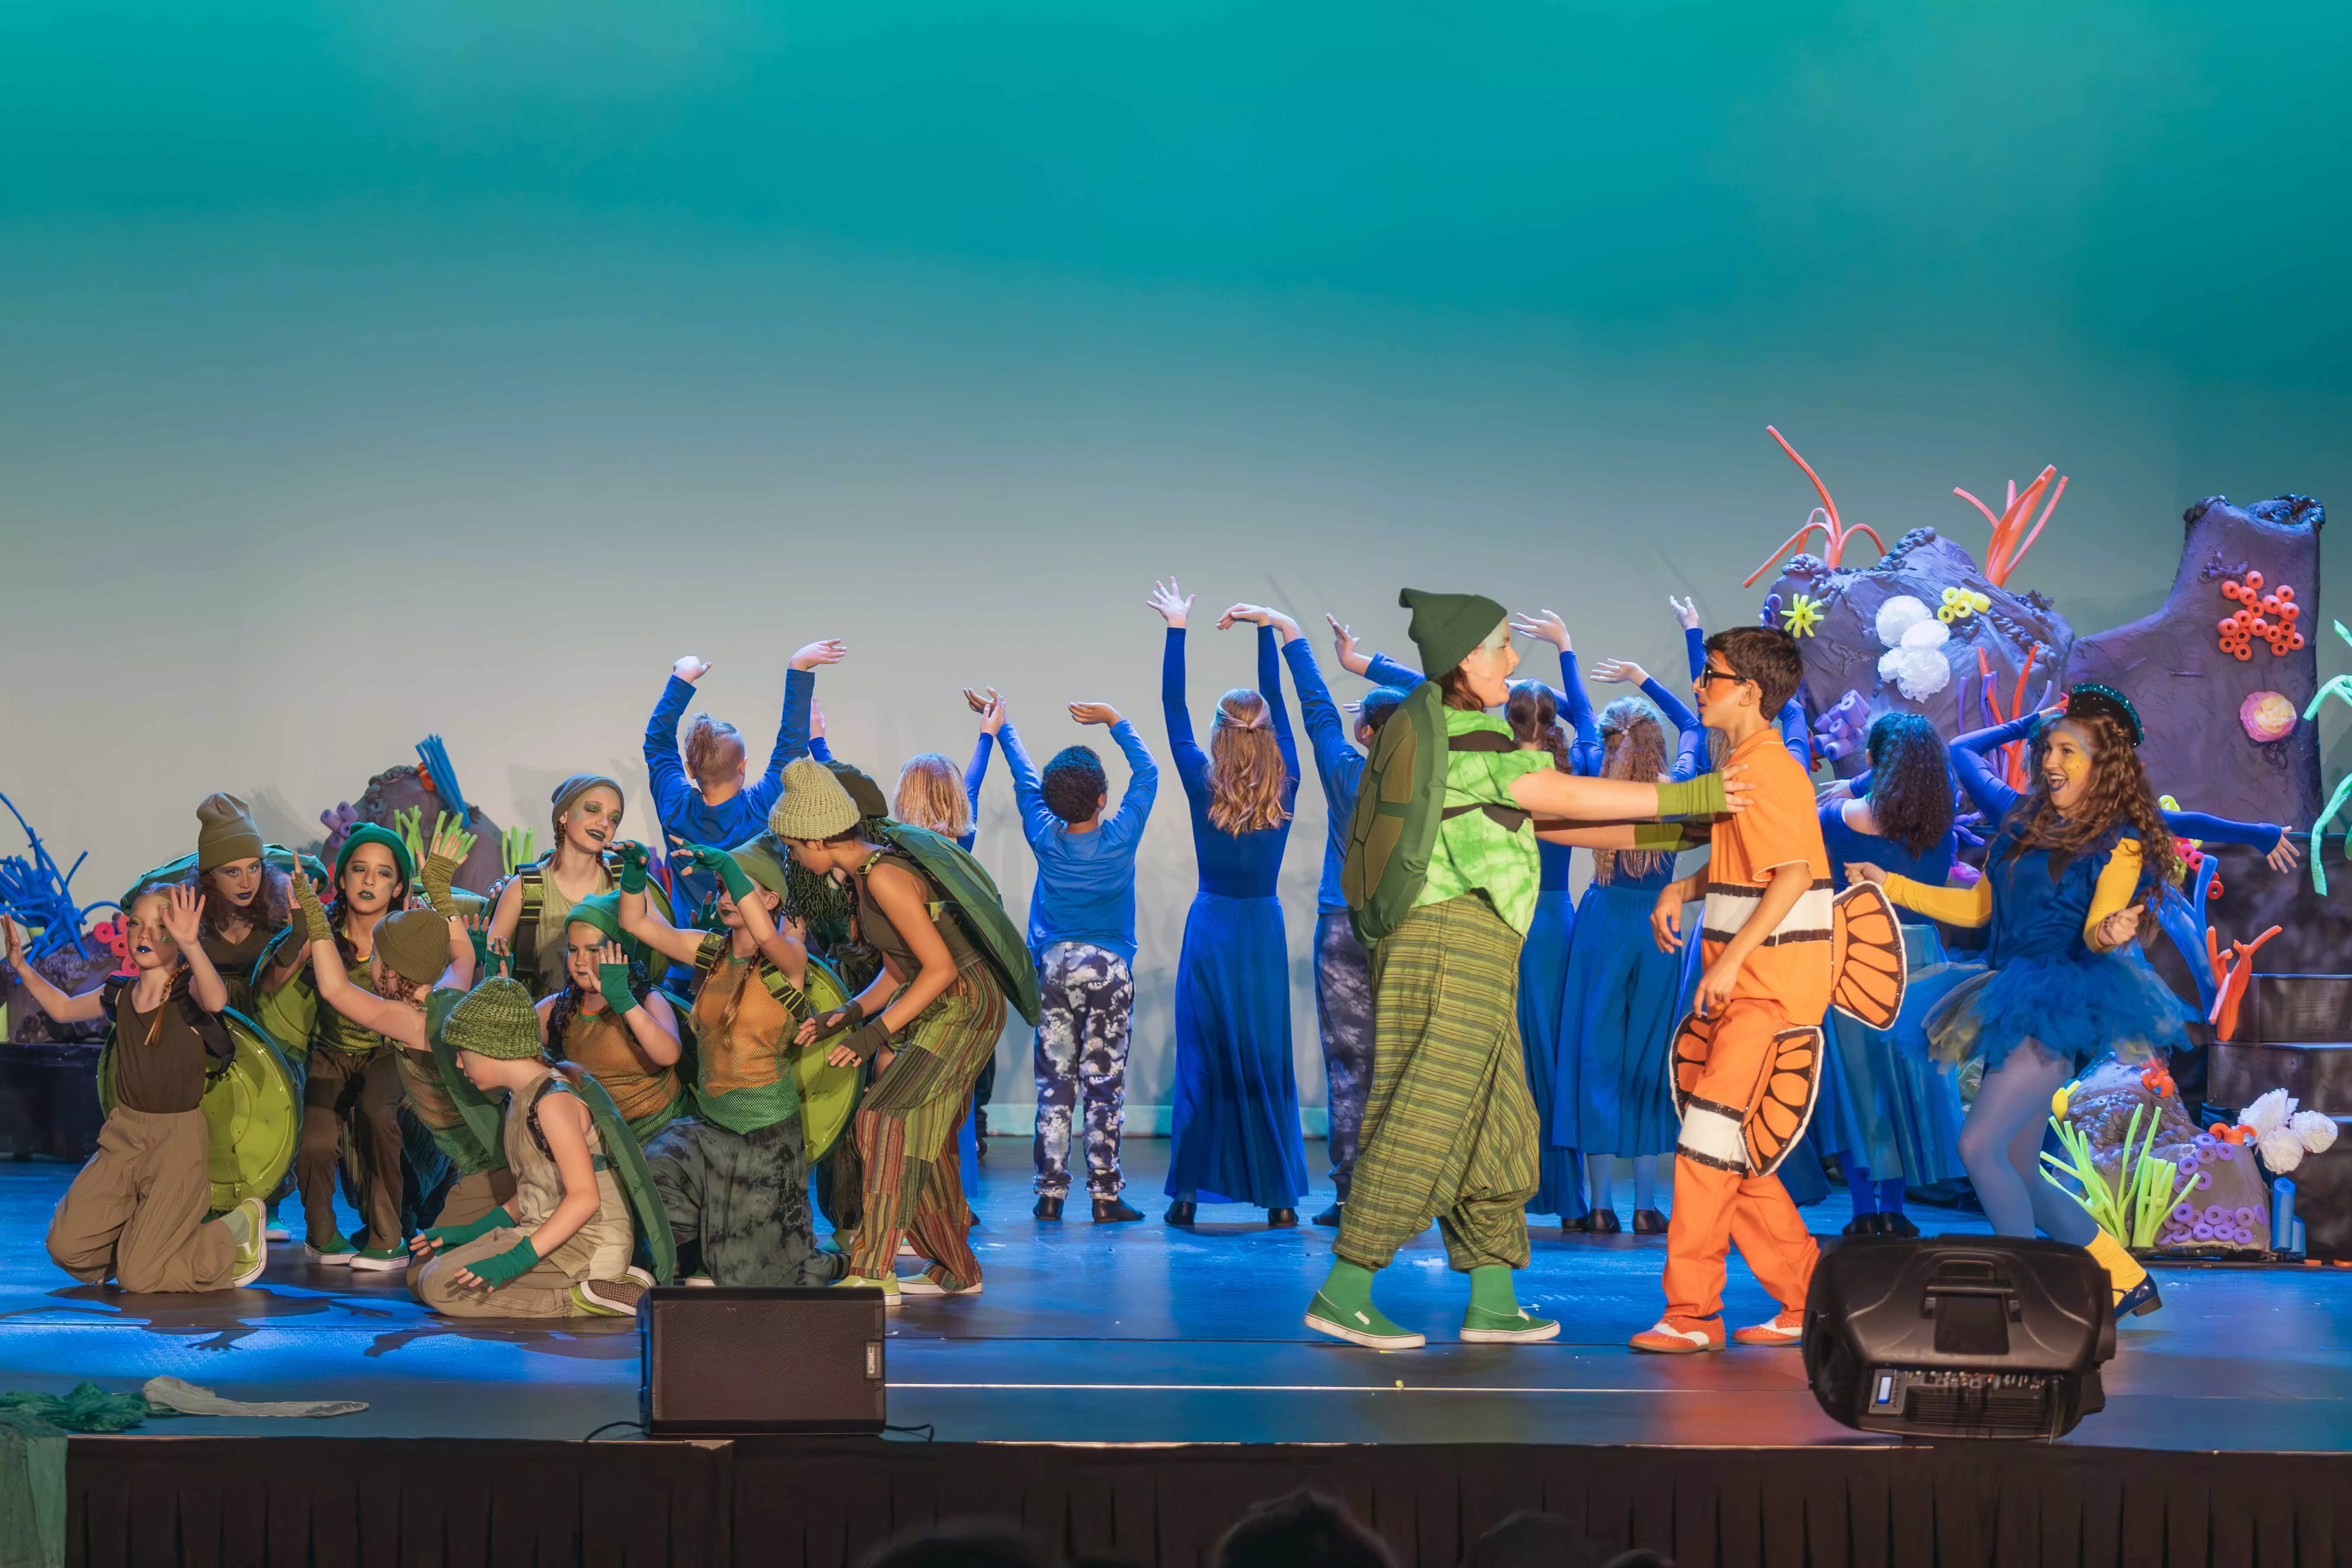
(1233, 1131)
(2074, 868)
(1892, 1116)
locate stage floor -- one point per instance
(1141, 1334)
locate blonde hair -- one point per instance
(1246, 774)
(709, 742)
(930, 794)
(1632, 746)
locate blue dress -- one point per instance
(1891, 1111)
(1623, 997)
(1234, 1132)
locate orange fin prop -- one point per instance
(1786, 1098)
(1694, 1038)
(1868, 971)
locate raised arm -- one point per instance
(641, 920)
(1192, 762)
(1336, 758)
(64, 1009)
(1269, 685)
(1796, 732)
(1382, 670)
(1142, 780)
(1037, 820)
(665, 774)
(796, 733)
(183, 921)
(1969, 764)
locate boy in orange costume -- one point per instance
(1765, 984)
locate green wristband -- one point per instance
(1702, 796)
(501, 1268)
(1668, 837)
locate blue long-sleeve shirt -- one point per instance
(684, 814)
(1992, 795)
(1233, 866)
(1336, 762)
(1085, 881)
(1569, 697)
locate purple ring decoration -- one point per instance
(2202, 1231)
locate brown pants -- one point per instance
(363, 1094)
(543, 1290)
(137, 1210)
(471, 1197)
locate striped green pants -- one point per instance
(1450, 1131)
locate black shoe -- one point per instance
(1112, 1210)
(1861, 1224)
(1278, 1219)
(1581, 1222)
(1900, 1225)
(1048, 1206)
(1649, 1222)
(1603, 1222)
(1182, 1210)
(1330, 1216)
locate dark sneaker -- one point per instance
(1115, 1210)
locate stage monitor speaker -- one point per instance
(1980, 1337)
(729, 1362)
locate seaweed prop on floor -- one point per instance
(2146, 1173)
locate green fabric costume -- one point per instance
(1474, 853)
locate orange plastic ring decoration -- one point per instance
(2285, 592)
(2254, 581)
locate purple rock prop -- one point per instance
(400, 788)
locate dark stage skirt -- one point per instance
(1235, 1130)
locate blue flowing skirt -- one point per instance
(1623, 999)
(1235, 1130)
(1551, 1078)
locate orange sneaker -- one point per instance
(1788, 1329)
(1680, 1336)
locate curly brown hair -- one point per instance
(1632, 746)
(2118, 792)
(272, 904)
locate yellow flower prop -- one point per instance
(1960, 604)
(1802, 618)
(2058, 1103)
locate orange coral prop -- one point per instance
(2014, 754)
(2007, 549)
(1834, 533)
(2233, 971)
(2270, 616)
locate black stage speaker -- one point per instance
(1981, 1337)
(731, 1361)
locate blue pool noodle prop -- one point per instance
(436, 758)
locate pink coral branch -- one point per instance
(1828, 505)
(1793, 541)
(1991, 519)
(2019, 554)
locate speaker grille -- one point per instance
(732, 1361)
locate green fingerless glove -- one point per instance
(848, 1016)
(612, 981)
(439, 872)
(503, 1267)
(867, 1038)
(730, 874)
(1702, 796)
(447, 1236)
(632, 867)
(310, 915)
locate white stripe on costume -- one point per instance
(1712, 1137)
(1731, 905)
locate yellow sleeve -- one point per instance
(1968, 905)
(2118, 886)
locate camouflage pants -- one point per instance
(1081, 1049)
(743, 1197)
(1343, 1011)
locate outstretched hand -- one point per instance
(1544, 627)
(690, 668)
(1093, 714)
(2283, 855)
(827, 650)
(184, 916)
(990, 709)
(1620, 672)
(16, 940)
(1685, 611)
(1343, 644)
(1172, 603)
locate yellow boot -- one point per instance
(2132, 1290)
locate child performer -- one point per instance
(1450, 1130)
(136, 1211)
(734, 1177)
(937, 1008)
(2073, 868)
(1233, 1134)
(247, 899)
(1082, 935)
(932, 794)
(560, 1247)
(1766, 951)
(1343, 972)
(535, 903)
(611, 1024)
(710, 800)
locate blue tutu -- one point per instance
(2079, 1007)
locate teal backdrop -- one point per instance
(373, 369)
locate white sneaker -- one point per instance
(338, 1255)
(699, 1282)
(247, 1223)
(924, 1285)
(369, 1261)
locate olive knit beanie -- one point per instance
(1448, 627)
(572, 789)
(814, 804)
(224, 832)
(413, 944)
(496, 1019)
(369, 832)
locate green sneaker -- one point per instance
(379, 1259)
(1520, 1327)
(890, 1287)
(248, 1223)
(336, 1252)
(1367, 1326)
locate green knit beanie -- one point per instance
(813, 804)
(496, 1019)
(1448, 627)
(369, 832)
(602, 913)
(413, 944)
(224, 832)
